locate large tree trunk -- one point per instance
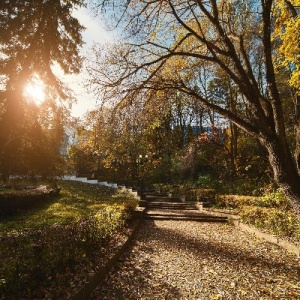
(285, 170)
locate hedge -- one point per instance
(14, 200)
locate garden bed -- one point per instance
(24, 197)
(270, 214)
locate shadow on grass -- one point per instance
(74, 202)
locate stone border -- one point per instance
(85, 292)
(236, 221)
(103, 183)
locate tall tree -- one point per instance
(35, 35)
(222, 33)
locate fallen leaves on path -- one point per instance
(194, 260)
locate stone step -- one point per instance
(170, 207)
(167, 200)
(185, 218)
(165, 208)
(166, 205)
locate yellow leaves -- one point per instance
(290, 45)
(287, 31)
(174, 67)
(155, 124)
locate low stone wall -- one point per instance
(103, 183)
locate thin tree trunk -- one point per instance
(233, 149)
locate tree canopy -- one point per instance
(178, 46)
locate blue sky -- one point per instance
(94, 33)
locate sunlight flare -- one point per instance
(35, 92)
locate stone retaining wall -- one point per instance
(103, 183)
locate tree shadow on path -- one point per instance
(163, 257)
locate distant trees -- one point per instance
(184, 46)
(35, 35)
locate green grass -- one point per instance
(76, 200)
(271, 212)
(39, 247)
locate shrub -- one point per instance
(274, 199)
(177, 190)
(271, 212)
(241, 186)
(279, 222)
(14, 200)
(236, 201)
(206, 181)
(128, 210)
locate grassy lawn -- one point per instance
(43, 249)
(76, 200)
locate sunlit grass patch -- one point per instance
(75, 201)
(271, 212)
(51, 241)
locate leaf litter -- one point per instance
(194, 260)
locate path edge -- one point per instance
(94, 280)
(236, 221)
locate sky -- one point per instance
(94, 33)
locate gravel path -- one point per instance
(197, 260)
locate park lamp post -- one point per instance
(142, 159)
(115, 164)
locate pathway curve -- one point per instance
(189, 259)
